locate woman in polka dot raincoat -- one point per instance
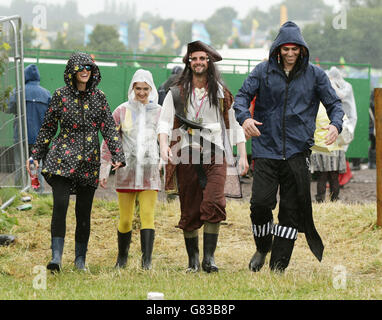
(71, 159)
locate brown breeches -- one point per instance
(200, 205)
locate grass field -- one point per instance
(351, 267)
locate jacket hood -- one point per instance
(31, 73)
(289, 33)
(75, 61)
(143, 76)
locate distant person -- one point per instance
(71, 159)
(345, 91)
(331, 166)
(37, 101)
(288, 91)
(164, 87)
(326, 161)
(372, 148)
(139, 181)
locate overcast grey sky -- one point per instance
(179, 9)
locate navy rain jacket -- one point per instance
(37, 101)
(286, 107)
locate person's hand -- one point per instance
(332, 134)
(103, 183)
(250, 128)
(35, 162)
(165, 153)
(116, 165)
(243, 166)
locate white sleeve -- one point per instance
(236, 132)
(166, 118)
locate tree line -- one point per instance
(359, 42)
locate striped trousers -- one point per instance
(260, 231)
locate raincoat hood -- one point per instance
(289, 33)
(75, 61)
(143, 76)
(344, 90)
(337, 81)
(31, 73)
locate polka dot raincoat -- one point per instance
(78, 116)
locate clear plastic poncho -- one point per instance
(344, 91)
(137, 124)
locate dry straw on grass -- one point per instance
(352, 244)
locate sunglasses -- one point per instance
(194, 59)
(87, 68)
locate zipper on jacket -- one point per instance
(81, 100)
(283, 125)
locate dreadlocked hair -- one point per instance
(213, 81)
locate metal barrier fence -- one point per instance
(13, 152)
(139, 60)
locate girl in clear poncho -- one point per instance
(329, 162)
(140, 179)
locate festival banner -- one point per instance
(146, 38)
(255, 26)
(175, 39)
(159, 32)
(199, 32)
(88, 31)
(124, 33)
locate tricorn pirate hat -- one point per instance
(201, 46)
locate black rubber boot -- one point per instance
(6, 239)
(282, 249)
(209, 246)
(372, 159)
(124, 240)
(322, 178)
(147, 243)
(263, 246)
(80, 252)
(57, 250)
(320, 198)
(192, 247)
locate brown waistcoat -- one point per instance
(179, 103)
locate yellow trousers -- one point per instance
(147, 200)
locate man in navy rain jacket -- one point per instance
(37, 101)
(288, 90)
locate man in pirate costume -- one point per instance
(194, 125)
(288, 90)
